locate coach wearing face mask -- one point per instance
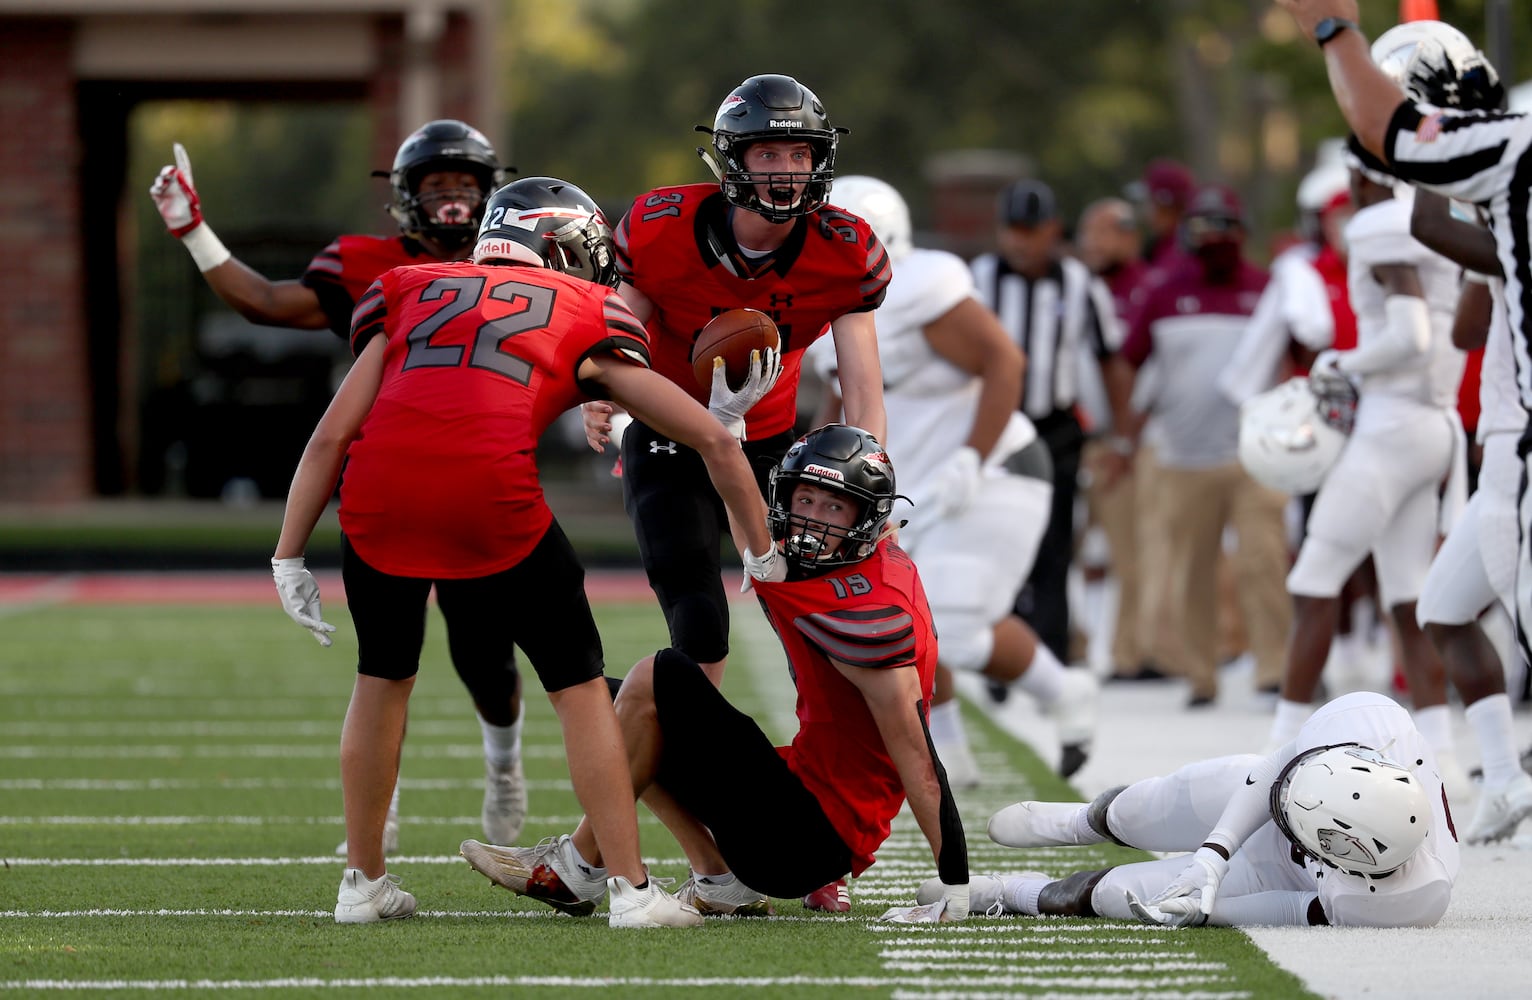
(1180, 338)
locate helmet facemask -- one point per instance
(842, 460)
(447, 217)
(782, 203)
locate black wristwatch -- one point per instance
(1326, 30)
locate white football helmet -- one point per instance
(882, 207)
(1350, 807)
(1435, 63)
(1285, 442)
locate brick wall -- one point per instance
(45, 448)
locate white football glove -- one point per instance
(954, 483)
(953, 905)
(1190, 895)
(1326, 379)
(1182, 912)
(768, 568)
(175, 196)
(299, 592)
(729, 406)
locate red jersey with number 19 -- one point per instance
(870, 615)
(676, 246)
(442, 481)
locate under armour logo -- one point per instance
(781, 300)
(668, 447)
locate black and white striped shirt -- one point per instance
(1484, 157)
(1060, 321)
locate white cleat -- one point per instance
(1074, 717)
(1455, 779)
(505, 802)
(1041, 824)
(548, 873)
(650, 906)
(985, 892)
(1501, 809)
(364, 901)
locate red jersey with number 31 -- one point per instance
(871, 615)
(442, 481)
(676, 246)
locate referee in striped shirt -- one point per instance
(1062, 317)
(1483, 157)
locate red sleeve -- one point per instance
(369, 316)
(875, 637)
(625, 335)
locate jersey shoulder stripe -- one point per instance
(878, 638)
(368, 318)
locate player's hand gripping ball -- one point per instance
(732, 336)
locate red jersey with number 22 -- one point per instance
(442, 481)
(871, 615)
(676, 246)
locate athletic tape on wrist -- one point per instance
(206, 249)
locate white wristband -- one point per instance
(206, 249)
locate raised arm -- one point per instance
(1367, 98)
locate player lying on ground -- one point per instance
(766, 821)
(1345, 825)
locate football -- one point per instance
(732, 336)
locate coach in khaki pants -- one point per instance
(1187, 328)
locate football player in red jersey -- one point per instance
(442, 175)
(460, 368)
(853, 620)
(764, 238)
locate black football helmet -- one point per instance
(770, 108)
(449, 218)
(842, 459)
(549, 223)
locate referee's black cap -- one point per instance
(1027, 203)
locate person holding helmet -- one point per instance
(982, 500)
(1383, 496)
(460, 367)
(1344, 825)
(853, 620)
(442, 175)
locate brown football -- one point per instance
(732, 336)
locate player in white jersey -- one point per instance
(1346, 824)
(1381, 497)
(982, 480)
(1475, 569)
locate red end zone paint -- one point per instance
(241, 588)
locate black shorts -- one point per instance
(723, 770)
(679, 521)
(539, 605)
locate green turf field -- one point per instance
(169, 805)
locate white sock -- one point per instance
(1020, 895)
(1044, 677)
(393, 803)
(1435, 724)
(1289, 718)
(593, 872)
(946, 721)
(1490, 719)
(502, 744)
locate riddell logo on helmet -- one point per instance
(784, 123)
(819, 470)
